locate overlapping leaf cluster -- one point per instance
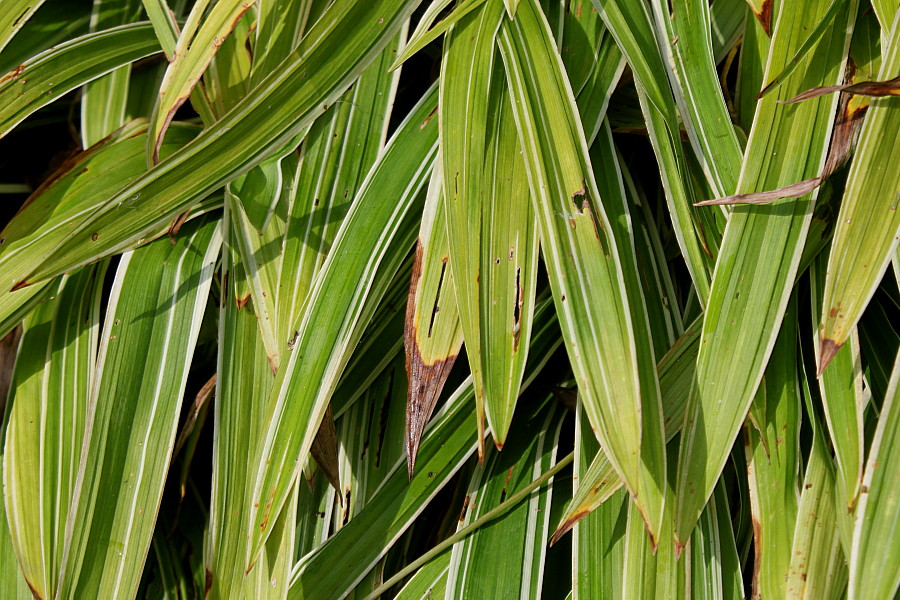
(486, 298)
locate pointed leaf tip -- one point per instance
(828, 349)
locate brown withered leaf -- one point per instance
(843, 141)
(876, 89)
(324, 450)
(794, 190)
(201, 401)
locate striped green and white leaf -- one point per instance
(50, 75)
(332, 322)
(73, 190)
(334, 568)
(15, 306)
(46, 423)
(134, 408)
(244, 374)
(12, 580)
(676, 374)
(431, 26)
(773, 463)
(613, 361)
(598, 539)
(51, 26)
(490, 227)
(593, 63)
(104, 100)
(429, 582)
(868, 225)
(631, 25)
(370, 439)
(684, 34)
(653, 571)
(15, 14)
(844, 400)
(477, 569)
(818, 567)
(344, 40)
(449, 440)
(760, 254)
(875, 555)
(199, 40)
(381, 342)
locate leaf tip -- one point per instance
(828, 349)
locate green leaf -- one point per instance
(773, 462)
(613, 362)
(347, 38)
(491, 232)
(45, 428)
(73, 191)
(15, 14)
(133, 410)
(104, 100)
(322, 181)
(598, 539)
(426, 31)
(332, 569)
(477, 569)
(196, 46)
(331, 323)
(747, 301)
(818, 567)
(630, 23)
(57, 71)
(875, 556)
(843, 402)
(244, 374)
(685, 37)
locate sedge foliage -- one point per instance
(475, 299)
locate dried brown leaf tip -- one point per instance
(763, 13)
(828, 349)
(426, 377)
(876, 89)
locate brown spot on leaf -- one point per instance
(176, 225)
(13, 74)
(428, 119)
